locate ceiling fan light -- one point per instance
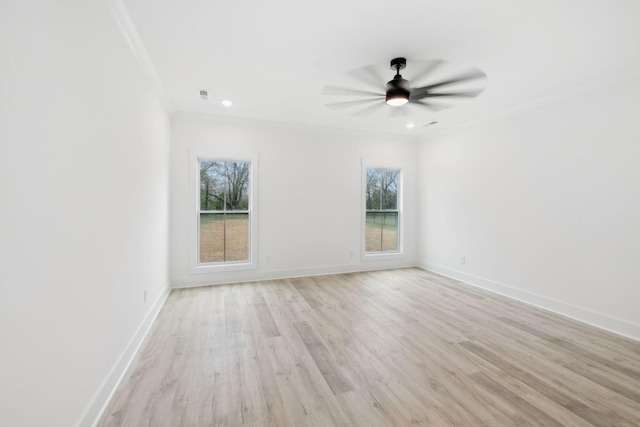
(397, 101)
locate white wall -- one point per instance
(84, 178)
(544, 204)
(309, 207)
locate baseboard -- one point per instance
(599, 320)
(108, 387)
(257, 275)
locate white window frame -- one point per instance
(195, 266)
(376, 256)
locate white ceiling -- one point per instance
(272, 58)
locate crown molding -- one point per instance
(123, 20)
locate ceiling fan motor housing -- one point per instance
(398, 91)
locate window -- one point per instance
(382, 214)
(224, 214)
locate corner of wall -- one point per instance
(592, 318)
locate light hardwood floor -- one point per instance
(388, 348)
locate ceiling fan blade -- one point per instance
(468, 94)
(347, 104)
(417, 94)
(426, 70)
(429, 105)
(370, 76)
(339, 90)
(463, 77)
(370, 109)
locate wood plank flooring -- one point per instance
(388, 348)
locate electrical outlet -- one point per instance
(268, 259)
(145, 296)
(350, 254)
(463, 260)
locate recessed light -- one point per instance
(410, 125)
(227, 103)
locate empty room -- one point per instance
(363, 213)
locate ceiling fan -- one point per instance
(399, 91)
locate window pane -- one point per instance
(224, 237)
(224, 185)
(382, 189)
(381, 195)
(390, 231)
(373, 238)
(237, 238)
(211, 237)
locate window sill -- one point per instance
(223, 267)
(382, 256)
